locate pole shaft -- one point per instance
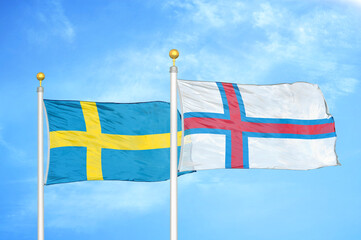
(40, 91)
(173, 155)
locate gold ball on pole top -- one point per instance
(40, 76)
(173, 54)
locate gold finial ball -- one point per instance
(173, 53)
(40, 76)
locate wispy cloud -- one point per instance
(356, 3)
(348, 85)
(336, 88)
(317, 42)
(52, 22)
(209, 13)
(267, 16)
(310, 45)
(83, 206)
(136, 75)
(11, 150)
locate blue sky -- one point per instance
(118, 51)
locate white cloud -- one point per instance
(267, 16)
(125, 75)
(52, 22)
(83, 206)
(353, 2)
(348, 85)
(312, 43)
(338, 87)
(210, 13)
(281, 36)
(13, 151)
(133, 75)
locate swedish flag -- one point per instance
(108, 141)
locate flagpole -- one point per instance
(40, 76)
(173, 148)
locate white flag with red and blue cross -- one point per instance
(281, 126)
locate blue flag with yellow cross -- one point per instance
(108, 141)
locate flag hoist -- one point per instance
(40, 76)
(173, 148)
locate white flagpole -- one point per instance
(40, 76)
(173, 148)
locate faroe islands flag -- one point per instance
(282, 126)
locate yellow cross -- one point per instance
(94, 140)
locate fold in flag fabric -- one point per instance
(228, 125)
(108, 141)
